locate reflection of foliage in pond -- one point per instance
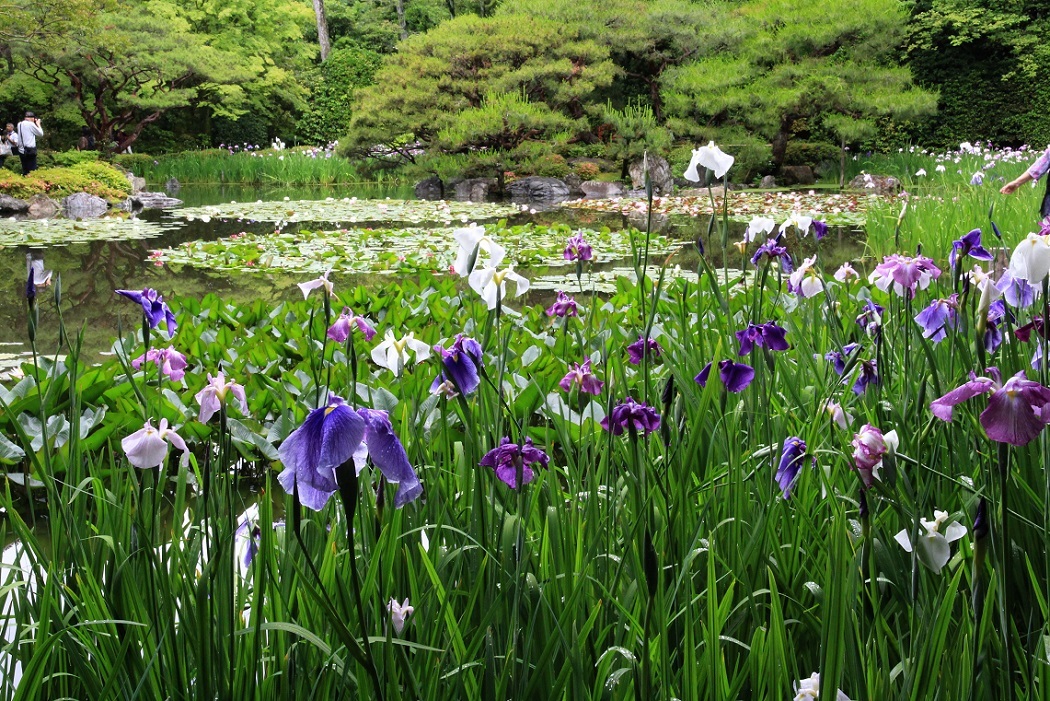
(836, 209)
(352, 210)
(388, 250)
(61, 232)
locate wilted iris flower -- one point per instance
(637, 350)
(735, 376)
(631, 416)
(153, 307)
(868, 376)
(942, 314)
(933, 549)
(148, 447)
(323, 281)
(838, 359)
(870, 446)
(563, 306)
(791, 457)
(993, 336)
(806, 281)
(904, 274)
(213, 396)
(508, 459)
(392, 353)
(710, 157)
(461, 364)
(340, 330)
(576, 248)
(333, 435)
(968, 245)
(870, 318)
(1017, 410)
(399, 613)
(767, 335)
(171, 362)
(581, 375)
(774, 251)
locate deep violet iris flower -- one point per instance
(791, 458)
(340, 330)
(153, 307)
(735, 376)
(773, 250)
(508, 458)
(639, 348)
(868, 376)
(333, 435)
(820, 229)
(942, 314)
(581, 375)
(577, 249)
(1017, 410)
(870, 318)
(631, 415)
(993, 336)
(461, 363)
(767, 335)
(838, 358)
(968, 245)
(563, 306)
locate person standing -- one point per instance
(28, 130)
(8, 142)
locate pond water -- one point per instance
(91, 269)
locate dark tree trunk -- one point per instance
(401, 19)
(322, 29)
(780, 141)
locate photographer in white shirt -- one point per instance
(27, 131)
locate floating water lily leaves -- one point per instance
(352, 211)
(62, 232)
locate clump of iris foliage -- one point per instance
(708, 489)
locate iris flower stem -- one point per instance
(1004, 565)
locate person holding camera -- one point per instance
(28, 130)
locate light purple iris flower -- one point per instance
(735, 376)
(340, 330)
(581, 375)
(563, 306)
(578, 249)
(1017, 410)
(968, 245)
(870, 446)
(461, 363)
(767, 335)
(213, 396)
(153, 307)
(171, 362)
(640, 348)
(904, 274)
(633, 416)
(333, 435)
(507, 459)
(1016, 290)
(993, 336)
(773, 250)
(942, 314)
(791, 457)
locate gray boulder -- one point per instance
(876, 184)
(42, 207)
(575, 184)
(430, 189)
(599, 190)
(798, 175)
(768, 183)
(12, 205)
(153, 200)
(538, 189)
(81, 205)
(172, 186)
(659, 174)
(137, 184)
(475, 189)
(718, 192)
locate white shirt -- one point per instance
(27, 133)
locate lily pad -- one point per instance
(396, 250)
(62, 232)
(837, 209)
(604, 281)
(351, 210)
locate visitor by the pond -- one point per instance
(87, 140)
(8, 142)
(28, 130)
(1034, 172)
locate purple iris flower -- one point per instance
(735, 376)
(968, 245)
(340, 330)
(31, 287)
(577, 249)
(772, 249)
(838, 358)
(993, 336)
(508, 459)
(904, 274)
(640, 348)
(581, 375)
(942, 314)
(791, 457)
(868, 376)
(1016, 290)
(767, 335)
(333, 435)
(870, 318)
(249, 531)
(820, 229)
(461, 364)
(563, 306)
(171, 362)
(153, 307)
(1017, 410)
(633, 416)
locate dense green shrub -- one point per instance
(95, 178)
(504, 121)
(250, 128)
(587, 170)
(332, 86)
(810, 153)
(69, 158)
(636, 131)
(754, 155)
